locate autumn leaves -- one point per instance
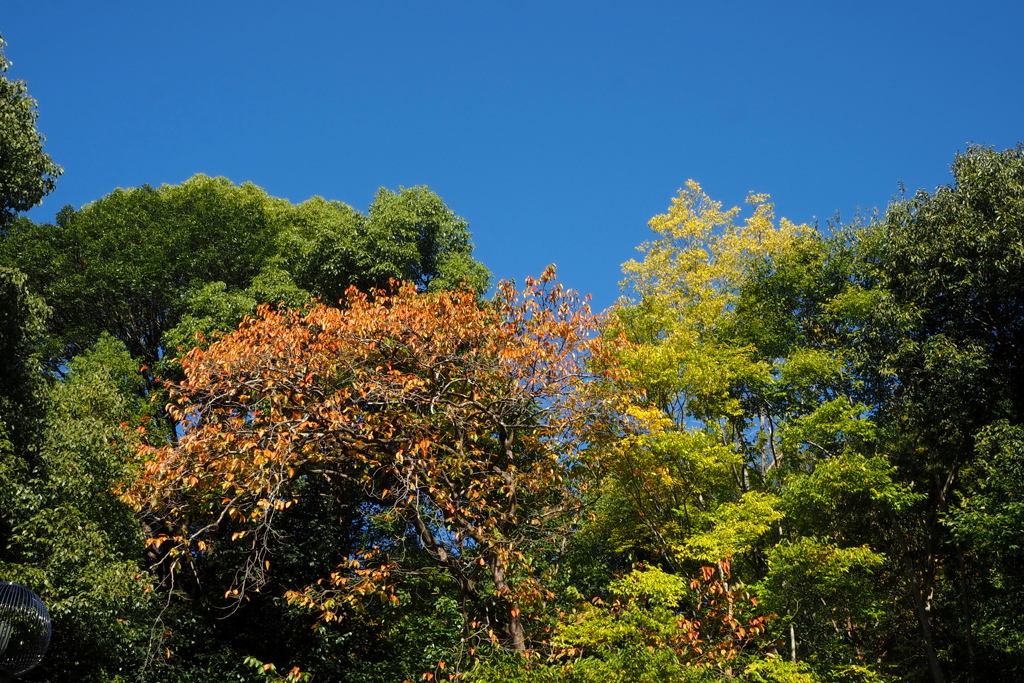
(459, 417)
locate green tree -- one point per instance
(837, 577)
(654, 626)
(22, 398)
(408, 236)
(22, 325)
(123, 264)
(947, 337)
(74, 541)
(988, 528)
(27, 174)
(143, 263)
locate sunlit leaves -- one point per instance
(696, 622)
(736, 527)
(749, 431)
(701, 255)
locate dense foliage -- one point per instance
(27, 174)
(244, 439)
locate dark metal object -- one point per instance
(24, 629)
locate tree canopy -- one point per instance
(246, 439)
(455, 423)
(139, 263)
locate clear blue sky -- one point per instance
(556, 128)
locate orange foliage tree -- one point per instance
(460, 423)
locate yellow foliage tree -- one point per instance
(690, 453)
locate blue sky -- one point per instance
(557, 129)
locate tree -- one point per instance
(22, 324)
(745, 407)
(27, 174)
(147, 262)
(22, 397)
(456, 424)
(159, 271)
(654, 626)
(409, 235)
(987, 525)
(72, 540)
(947, 338)
(124, 263)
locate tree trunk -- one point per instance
(922, 610)
(514, 631)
